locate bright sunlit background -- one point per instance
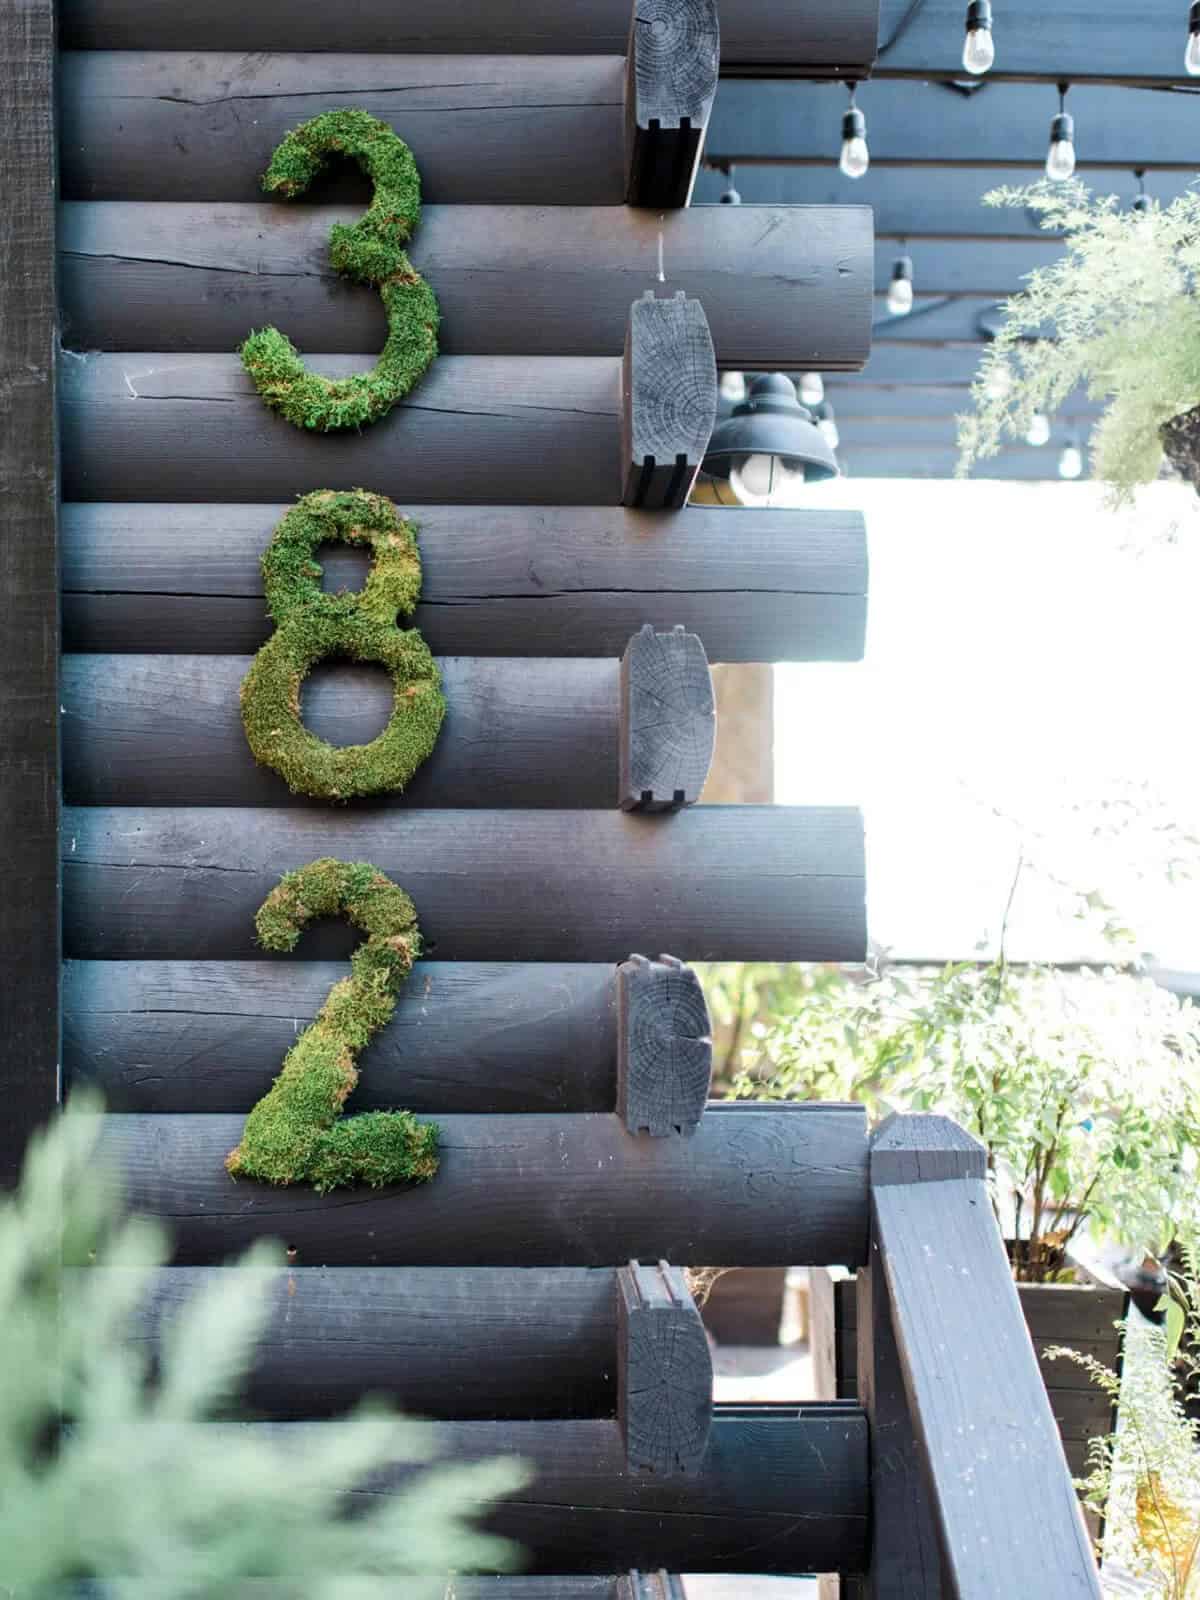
(1029, 688)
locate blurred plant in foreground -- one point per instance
(111, 1471)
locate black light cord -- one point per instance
(900, 29)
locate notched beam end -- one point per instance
(672, 66)
(668, 400)
(664, 1372)
(660, 1585)
(668, 721)
(664, 1047)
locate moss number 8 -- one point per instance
(361, 625)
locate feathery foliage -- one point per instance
(139, 1488)
(1118, 311)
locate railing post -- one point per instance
(942, 1307)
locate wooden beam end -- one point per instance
(664, 1371)
(664, 1047)
(916, 1147)
(673, 62)
(668, 721)
(668, 400)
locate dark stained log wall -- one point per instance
(166, 730)
(509, 280)
(466, 1036)
(794, 36)
(477, 430)
(29, 800)
(717, 883)
(496, 580)
(755, 1185)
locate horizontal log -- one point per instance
(1114, 39)
(789, 286)
(785, 1491)
(910, 123)
(139, 125)
(496, 580)
(478, 429)
(713, 883)
(755, 1185)
(905, 200)
(790, 36)
(466, 1036)
(510, 1342)
(166, 730)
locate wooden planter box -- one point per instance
(1056, 1314)
(745, 1305)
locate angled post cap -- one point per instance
(668, 400)
(664, 1371)
(668, 721)
(664, 1047)
(672, 65)
(919, 1147)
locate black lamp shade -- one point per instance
(770, 422)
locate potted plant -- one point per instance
(1117, 312)
(1145, 1478)
(1085, 1088)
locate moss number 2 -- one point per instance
(361, 625)
(296, 1133)
(371, 251)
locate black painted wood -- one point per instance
(664, 1371)
(510, 280)
(990, 266)
(795, 37)
(478, 429)
(753, 1185)
(668, 400)
(435, 1341)
(503, 130)
(909, 123)
(1114, 39)
(29, 804)
(987, 1436)
(1015, 463)
(907, 202)
(673, 60)
(903, 403)
(776, 883)
(664, 1046)
(162, 730)
(466, 1036)
(496, 580)
(668, 721)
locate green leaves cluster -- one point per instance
(1085, 1087)
(111, 1471)
(1118, 312)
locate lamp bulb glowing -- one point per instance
(812, 388)
(765, 480)
(1038, 431)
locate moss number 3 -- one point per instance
(296, 1133)
(371, 251)
(359, 625)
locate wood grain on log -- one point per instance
(664, 1371)
(668, 400)
(667, 721)
(664, 1047)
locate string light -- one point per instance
(1060, 158)
(1038, 431)
(979, 50)
(1141, 200)
(1070, 462)
(812, 388)
(732, 386)
(1191, 56)
(900, 290)
(855, 157)
(730, 196)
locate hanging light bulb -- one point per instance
(1038, 431)
(729, 195)
(812, 388)
(732, 386)
(1060, 158)
(998, 382)
(855, 157)
(1141, 200)
(1191, 56)
(827, 424)
(900, 290)
(979, 51)
(1070, 461)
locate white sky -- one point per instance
(1027, 651)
